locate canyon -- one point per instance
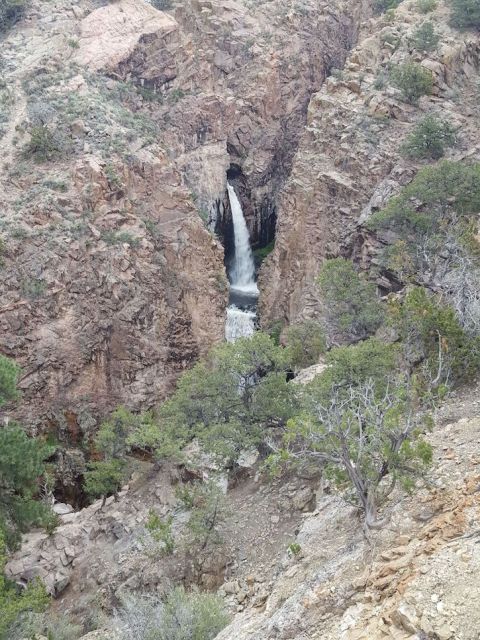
(182, 139)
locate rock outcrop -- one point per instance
(409, 580)
(348, 162)
(121, 124)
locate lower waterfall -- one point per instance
(241, 311)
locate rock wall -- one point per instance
(111, 283)
(348, 162)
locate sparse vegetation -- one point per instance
(426, 6)
(429, 139)
(352, 308)
(159, 537)
(413, 80)
(382, 6)
(259, 255)
(14, 604)
(196, 616)
(431, 335)
(44, 145)
(207, 513)
(465, 14)
(306, 342)
(433, 218)
(425, 37)
(120, 237)
(105, 477)
(10, 12)
(162, 5)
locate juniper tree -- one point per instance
(364, 440)
(352, 308)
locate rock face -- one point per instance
(409, 581)
(111, 282)
(348, 162)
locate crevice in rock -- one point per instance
(261, 218)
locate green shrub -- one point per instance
(413, 80)
(225, 401)
(104, 478)
(43, 145)
(9, 372)
(160, 531)
(207, 514)
(353, 310)
(49, 625)
(22, 464)
(15, 604)
(426, 6)
(364, 439)
(162, 5)
(305, 342)
(425, 205)
(120, 237)
(425, 38)
(182, 615)
(435, 212)
(465, 14)
(259, 255)
(432, 337)
(294, 549)
(10, 12)
(353, 365)
(429, 139)
(381, 6)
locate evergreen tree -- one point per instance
(22, 463)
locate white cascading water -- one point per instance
(240, 322)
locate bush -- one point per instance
(381, 6)
(433, 222)
(49, 625)
(413, 80)
(305, 342)
(425, 38)
(207, 512)
(160, 538)
(14, 604)
(10, 12)
(353, 365)
(224, 401)
(182, 615)
(353, 310)
(364, 439)
(433, 339)
(44, 145)
(429, 139)
(426, 205)
(465, 14)
(9, 372)
(104, 478)
(162, 5)
(426, 6)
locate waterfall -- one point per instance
(242, 274)
(239, 323)
(243, 288)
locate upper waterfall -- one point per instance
(243, 288)
(242, 274)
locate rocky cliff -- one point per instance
(348, 163)
(119, 125)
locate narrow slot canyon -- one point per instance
(247, 230)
